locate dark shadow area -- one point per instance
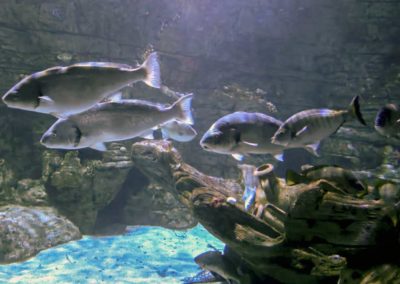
(110, 219)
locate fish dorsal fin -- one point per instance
(312, 148)
(99, 147)
(304, 129)
(238, 157)
(279, 157)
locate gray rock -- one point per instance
(80, 190)
(31, 193)
(155, 206)
(26, 231)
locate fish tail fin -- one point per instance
(354, 109)
(385, 115)
(183, 105)
(152, 68)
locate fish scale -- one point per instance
(114, 121)
(307, 128)
(241, 133)
(64, 91)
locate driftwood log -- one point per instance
(306, 233)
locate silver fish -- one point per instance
(309, 127)
(63, 91)
(178, 131)
(216, 262)
(174, 129)
(113, 121)
(387, 121)
(242, 133)
(250, 181)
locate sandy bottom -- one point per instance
(142, 255)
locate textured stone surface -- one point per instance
(26, 231)
(307, 232)
(157, 207)
(25, 192)
(140, 201)
(80, 190)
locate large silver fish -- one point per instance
(309, 127)
(387, 121)
(113, 121)
(63, 91)
(178, 131)
(242, 133)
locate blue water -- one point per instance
(142, 255)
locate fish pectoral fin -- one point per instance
(46, 100)
(304, 129)
(238, 157)
(279, 157)
(249, 143)
(99, 147)
(312, 148)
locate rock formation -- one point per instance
(25, 231)
(307, 232)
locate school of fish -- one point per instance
(85, 99)
(90, 110)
